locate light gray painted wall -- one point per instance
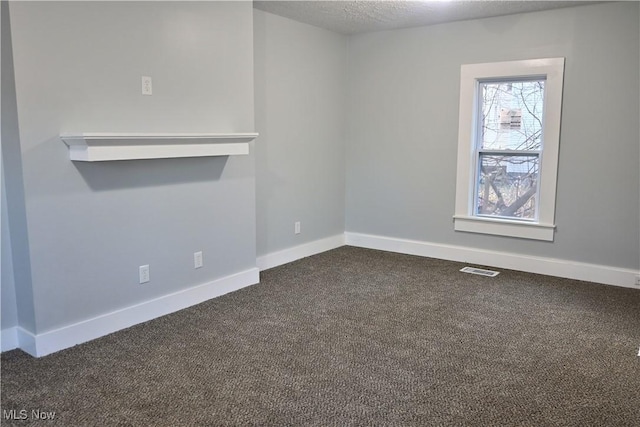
(300, 81)
(9, 309)
(17, 302)
(403, 112)
(78, 67)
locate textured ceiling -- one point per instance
(352, 17)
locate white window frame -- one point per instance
(552, 70)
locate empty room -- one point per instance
(314, 213)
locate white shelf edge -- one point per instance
(110, 146)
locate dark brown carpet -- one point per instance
(357, 337)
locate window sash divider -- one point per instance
(510, 152)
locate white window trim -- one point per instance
(470, 74)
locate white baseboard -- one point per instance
(68, 336)
(285, 256)
(9, 338)
(540, 265)
(51, 341)
(26, 341)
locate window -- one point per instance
(508, 147)
(508, 141)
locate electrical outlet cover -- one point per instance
(197, 259)
(144, 273)
(147, 85)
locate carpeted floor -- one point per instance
(356, 337)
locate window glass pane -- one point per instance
(511, 115)
(507, 186)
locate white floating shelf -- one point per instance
(100, 147)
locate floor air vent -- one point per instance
(480, 271)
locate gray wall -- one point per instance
(403, 123)
(300, 81)
(8, 308)
(90, 226)
(8, 295)
(16, 267)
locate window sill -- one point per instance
(502, 227)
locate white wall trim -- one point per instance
(540, 265)
(68, 336)
(9, 338)
(471, 76)
(285, 256)
(501, 227)
(26, 340)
